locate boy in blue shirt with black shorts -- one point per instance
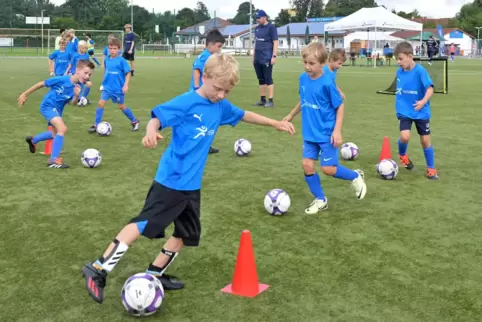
(175, 194)
(115, 85)
(63, 90)
(214, 41)
(322, 112)
(412, 104)
(59, 60)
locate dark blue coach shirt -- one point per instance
(129, 38)
(264, 37)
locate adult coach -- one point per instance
(264, 57)
(431, 48)
(129, 47)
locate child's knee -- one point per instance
(308, 166)
(122, 107)
(101, 104)
(405, 136)
(62, 129)
(425, 141)
(329, 171)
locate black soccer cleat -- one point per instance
(260, 103)
(95, 281)
(92, 129)
(31, 146)
(57, 164)
(213, 150)
(170, 282)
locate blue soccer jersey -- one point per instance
(61, 61)
(411, 87)
(73, 46)
(115, 74)
(61, 92)
(194, 121)
(329, 72)
(199, 65)
(75, 59)
(319, 99)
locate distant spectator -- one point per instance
(57, 39)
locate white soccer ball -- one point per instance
(142, 294)
(387, 169)
(277, 202)
(242, 147)
(91, 158)
(349, 151)
(104, 129)
(82, 101)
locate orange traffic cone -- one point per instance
(386, 152)
(245, 279)
(48, 144)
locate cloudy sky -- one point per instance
(228, 8)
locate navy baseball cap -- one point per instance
(261, 13)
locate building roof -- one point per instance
(437, 21)
(235, 30)
(215, 23)
(409, 34)
(299, 29)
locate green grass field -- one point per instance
(410, 251)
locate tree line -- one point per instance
(114, 14)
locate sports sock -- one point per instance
(99, 112)
(429, 157)
(263, 98)
(313, 181)
(128, 113)
(96, 61)
(114, 256)
(345, 173)
(160, 270)
(42, 137)
(86, 91)
(402, 148)
(57, 147)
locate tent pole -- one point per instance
(375, 47)
(421, 42)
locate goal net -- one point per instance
(156, 49)
(21, 41)
(438, 71)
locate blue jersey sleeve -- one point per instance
(91, 41)
(199, 62)
(106, 50)
(170, 113)
(231, 114)
(54, 55)
(335, 96)
(53, 81)
(125, 66)
(274, 32)
(425, 78)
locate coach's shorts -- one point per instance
(423, 126)
(164, 206)
(127, 56)
(264, 72)
(115, 97)
(329, 153)
(50, 112)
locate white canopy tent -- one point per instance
(376, 19)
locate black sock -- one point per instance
(263, 98)
(271, 100)
(132, 72)
(153, 268)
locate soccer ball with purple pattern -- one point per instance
(277, 202)
(104, 128)
(387, 169)
(142, 294)
(349, 151)
(91, 158)
(242, 147)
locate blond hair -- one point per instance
(82, 43)
(222, 67)
(338, 54)
(317, 51)
(403, 48)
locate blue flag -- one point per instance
(440, 32)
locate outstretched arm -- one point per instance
(254, 118)
(152, 134)
(23, 97)
(295, 111)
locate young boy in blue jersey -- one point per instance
(73, 44)
(115, 85)
(412, 104)
(63, 90)
(336, 59)
(59, 60)
(214, 42)
(175, 194)
(90, 48)
(81, 55)
(322, 112)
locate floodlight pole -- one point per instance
(250, 26)
(132, 15)
(42, 24)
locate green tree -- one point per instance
(242, 15)
(201, 12)
(283, 18)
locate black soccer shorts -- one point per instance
(423, 126)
